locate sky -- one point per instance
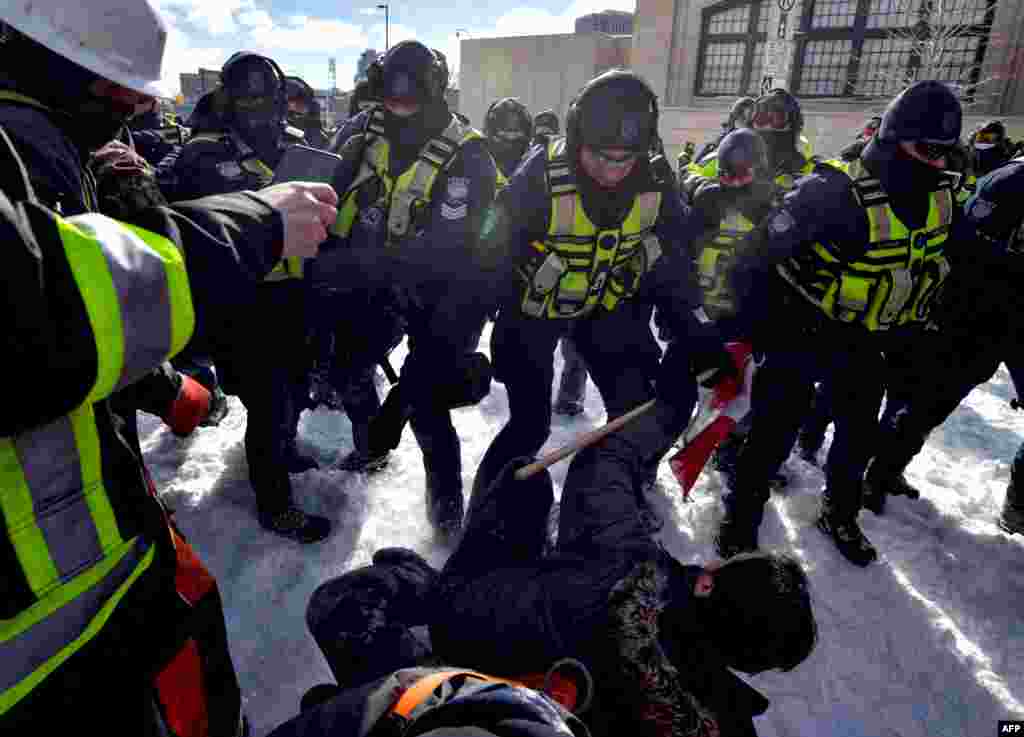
(301, 35)
(927, 642)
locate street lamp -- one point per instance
(384, 7)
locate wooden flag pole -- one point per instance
(581, 442)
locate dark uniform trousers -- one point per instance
(851, 364)
(267, 369)
(619, 350)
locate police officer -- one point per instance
(740, 116)
(779, 122)
(594, 233)
(853, 256)
(304, 112)
(988, 148)
(545, 126)
(110, 620)
(267, 368)
(508, 126)
(978, 326)
(867, 132)
(410, 223)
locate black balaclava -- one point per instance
(410, 72)
(508, 128)
(907, 181)
(249, 76)
(63, 86)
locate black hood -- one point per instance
(907, 181)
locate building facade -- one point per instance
(544, 72)
(612, 22)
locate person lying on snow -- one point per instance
(608, 619)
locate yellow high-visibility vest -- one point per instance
(897, 278)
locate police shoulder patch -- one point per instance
(782, 222)
(981, 208)
(458, 189)
(229, 169)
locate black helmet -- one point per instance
(928, 112)
(546, 122)
(360, 99)
(742, 112)
(778, 110)
(992, 132)
(741, 152)
(508, 119)
(249, 75)
(296, 87)
(615, 110)
(408, 71)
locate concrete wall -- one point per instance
(542, 71)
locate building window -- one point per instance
(731, 51)
(872, 48)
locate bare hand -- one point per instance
(308, 210)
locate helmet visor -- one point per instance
(629, 130)
(773, 120)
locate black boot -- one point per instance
(737, 533)
(847, 536)
(880, 482)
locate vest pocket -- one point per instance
(933, 276)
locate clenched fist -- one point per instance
(308, 210)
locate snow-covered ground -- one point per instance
(928, 642)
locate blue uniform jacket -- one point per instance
(523, 215)
(443, 246)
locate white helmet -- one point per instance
(121, 40)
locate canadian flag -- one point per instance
(720, 408)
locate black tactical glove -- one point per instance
(712, 364)
(1015, 403)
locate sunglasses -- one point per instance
(932, 151)
(775, 120)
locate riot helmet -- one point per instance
(408, 73)
(257, 102)
(546, 123)
(870, 128)
(742, 113)
(615, 110)
(508, 126)
(779, 121)
(301, 101)
(926, 114)
(990, 147)
(742, 157)
(360, 100)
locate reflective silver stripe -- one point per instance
(145, 309)
(31, 648)
(50, 463)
